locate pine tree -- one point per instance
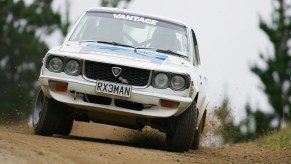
(114, 3)
(276, 76)
(22, 49)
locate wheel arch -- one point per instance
(196, 97)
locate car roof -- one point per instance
(137, 13)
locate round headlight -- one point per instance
(161, 80)
(72, 67)
(55, 64)
(178, 82)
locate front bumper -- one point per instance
(77, 89)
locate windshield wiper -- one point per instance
(144, 48)
(107, 42)
(162, 51)
(170, 52)
(115, 44)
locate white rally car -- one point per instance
(127, 69)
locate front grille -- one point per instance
(103, 71)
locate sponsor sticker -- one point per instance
(135, 18)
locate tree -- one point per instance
(256, 124)
(114, 3)
(276, 76)
(21, 50)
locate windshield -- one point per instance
(132, 30)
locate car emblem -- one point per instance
(116, 71)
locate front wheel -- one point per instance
(181, 137)
(49, 116)
(66, 124)
(196, 141)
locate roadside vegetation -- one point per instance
(23, 29)
(274, 72)
(277, 139)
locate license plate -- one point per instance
(113, 88)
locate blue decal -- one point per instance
(148, 55)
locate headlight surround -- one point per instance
(161, 80)
(55, 64)
(58, 64)
(178, 82)
(72, 67)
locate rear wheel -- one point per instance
(49, 117)
(182, 134)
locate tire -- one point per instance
(47, 116)
(196, 141)
(182, 135)
(66, 124)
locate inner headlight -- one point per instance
(72, 67)
(55, 64)
(178, 82)
(161, 80)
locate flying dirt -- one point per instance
(96, 143)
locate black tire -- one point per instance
(47, 115)
(196, 141)
(66, 124)
(181, 138)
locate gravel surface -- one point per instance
(96, 143)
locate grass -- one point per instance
(277, 139)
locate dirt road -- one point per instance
(94, 143)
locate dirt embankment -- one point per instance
(95, 143)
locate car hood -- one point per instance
(140, 58)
